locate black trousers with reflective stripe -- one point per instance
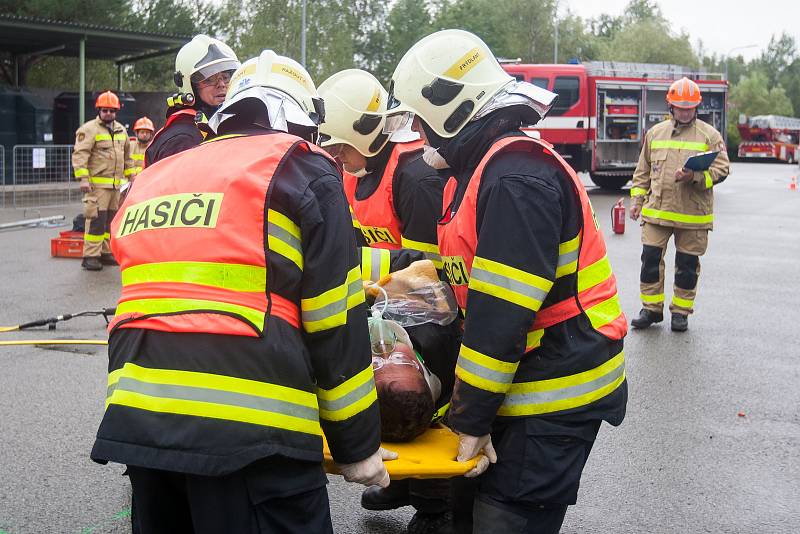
(270, 496)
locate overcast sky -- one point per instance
(721, 24)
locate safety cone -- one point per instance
(793, 184)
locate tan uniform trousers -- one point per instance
(99, 208)
(690, 245)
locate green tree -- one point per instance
(649, 41)
(754, 96)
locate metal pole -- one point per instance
(31, 222)
(82, 81)
(303, 36)
(119, 77)
(555, 33)
(728, 56)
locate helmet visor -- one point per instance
(398, 122)
(208, 71)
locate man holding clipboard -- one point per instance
(682, 159)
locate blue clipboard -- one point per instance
(701, 162)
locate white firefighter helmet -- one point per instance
(445, 79)
(355, 108)
(201, 58)
(283, 86)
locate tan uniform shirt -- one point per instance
(102, 154)
(137, 155)
(665, 201)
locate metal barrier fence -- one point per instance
(43, 176)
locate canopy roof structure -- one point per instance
(25, 37)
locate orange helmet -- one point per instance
(144, 124)
(107, 100)
(684, 93)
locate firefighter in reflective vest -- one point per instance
(394, 195)
(675, 201)
(101, 159)
(203, 69)
(541, 364)
(240, 335)
(144, 130)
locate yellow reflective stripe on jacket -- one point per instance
(94, 238)
(564, 393)
(163, 306)
(678, 217)
(81, 172)
(375, 263)
(594, 274)
(508, 283)
(683, 303)
(638, 192)
(349, 398)
(709, 181)
(284, 237)
(431, 250)
(533, 339)
(104, 180)
(103, 137)
(214, 396)
(604, 312)
(129, 171)
(484, 372)
(137, 156)
(655, 144)
(652, 299)
(568, 252)
(329, 309)
(230, 276)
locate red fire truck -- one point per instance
(604, 109)
(769, 137)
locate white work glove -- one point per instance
(370, 471)
(470, 446)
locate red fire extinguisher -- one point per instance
(618, 217)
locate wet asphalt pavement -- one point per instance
(710, 443)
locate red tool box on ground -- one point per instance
(68, 244)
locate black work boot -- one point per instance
(426, 523)
(92, 264)
(646, 318)
(391, 498)
(108, 259)
(680, 322)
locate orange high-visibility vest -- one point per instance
(596, 294)
(191, 245)
(376, 215)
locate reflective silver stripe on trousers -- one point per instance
(214, 396)
(541, 397)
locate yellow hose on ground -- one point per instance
(54, 342)
(9, 328)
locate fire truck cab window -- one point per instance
(540, 82)
(568, 90)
